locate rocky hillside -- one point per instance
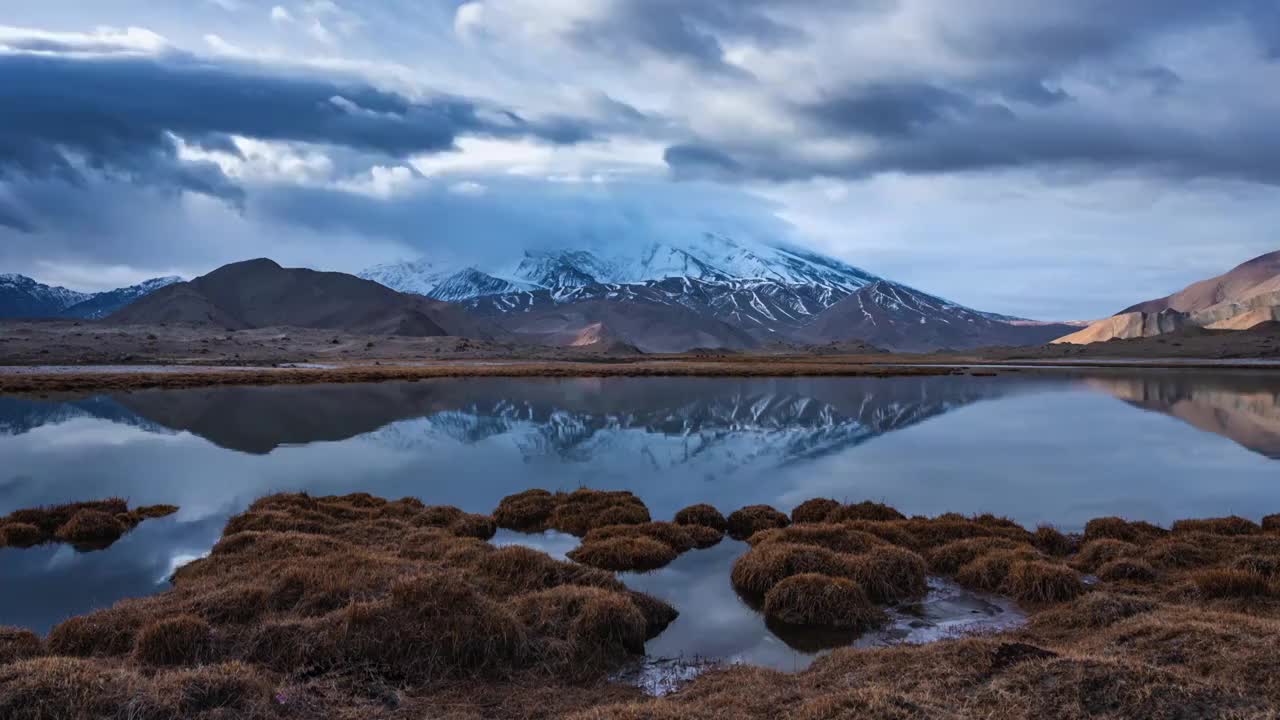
(1237, 300)
(260, 293)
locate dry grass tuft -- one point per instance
(1172, 554)
(865, 510)
(1093, 610)
(576, 513)
(1271, 523)
(1267, 566)
(704, 515)
(1040, 582)
(1127, 569)
(948, 559)
(232, 689)
(813, 511)
(989, 571)
(640, 554)
(681, 538)
(104, 633)
(834, 537)
(811, 599)
(91, 528)
(20, 535)
(762, 567)
(526, 511)
(750, 520)
(18, 644)
(1053, 542)
(891, 574)
(1233, 525)
(181, 640)
(1096, 553)
(1114, 528)
(1229, 583)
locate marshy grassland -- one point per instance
(359, 607)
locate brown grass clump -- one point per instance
(92, 525)
(704, 515)
(891, 574)
(813, 511)
(1115, 528)
(1096, 553)
(1170, 554)
(762, 567)
(641, 554)
(20, 535)
(526, 511)
(582, 510)
(988, 572)
(1271, 523)
(92, 528)
(108, 632)
(1092, 610)
(585, 624)
(1051, 541)
(1267, 566)
(236, 689)
(750, 520)
(1229, 583)
(56, 687)
(1039, 582)
(576, 513)
(181, 640)
(681, 538)
(18, 644)
(1233, 525)
(865, 510)
(430, 626)
(834, 537)
(949, 558)
(1127, 569)
(819, 600)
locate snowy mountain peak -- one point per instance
(424, 277)
(20, 296)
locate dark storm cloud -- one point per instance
(895, 109)
(1010, 110)
(694, 32)
(1249, 150)
(119, 115)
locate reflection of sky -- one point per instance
(1047, 453)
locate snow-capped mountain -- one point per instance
(709, 258)
(771, 292)
(22, 297)
(102, 304)
(441, 282)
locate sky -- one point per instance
(1054, 160)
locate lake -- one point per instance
(1039, 447)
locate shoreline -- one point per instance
(25, 379)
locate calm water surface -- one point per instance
(1040, 448)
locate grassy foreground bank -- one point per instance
(358, 607)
